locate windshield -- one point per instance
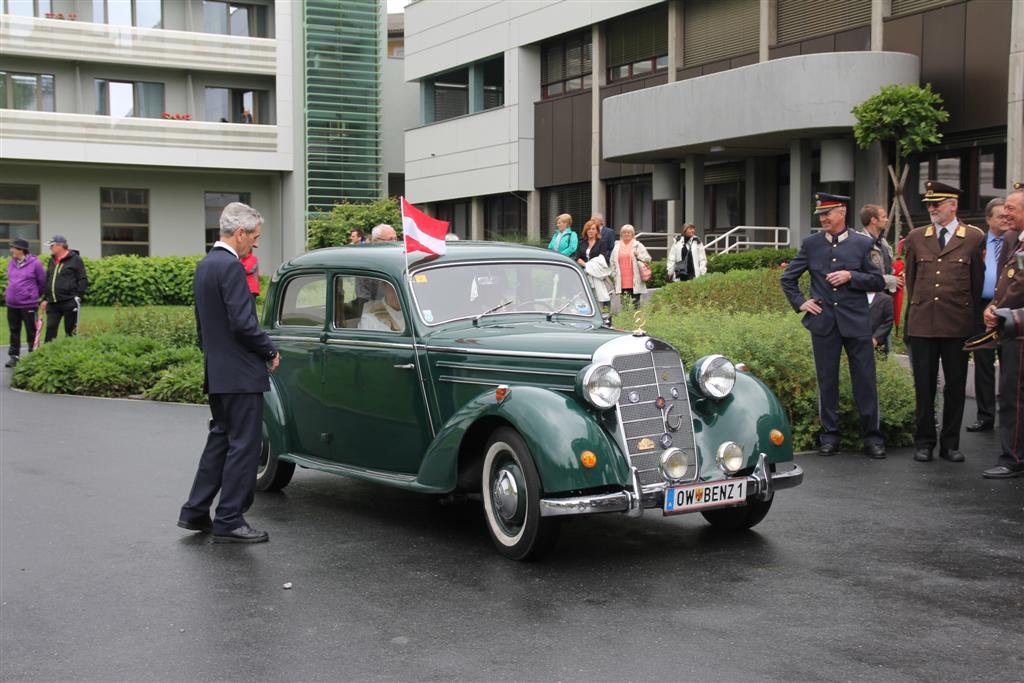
(474, 289)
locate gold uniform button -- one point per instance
(936, 298)
(936, 284)
(938, 272)
(940, 260)
(834, 260)
(834, 289)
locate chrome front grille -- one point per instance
(646, 376)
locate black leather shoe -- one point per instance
(923, 455)
(1003, 472)
(828, 449)
(981, 426)
(206, 526)
(11, 362)
(952, 456)
(875, 451)
(243, 534)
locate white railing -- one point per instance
(744, 237)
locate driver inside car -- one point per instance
(383, 315)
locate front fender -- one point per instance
(274, 420)
(555, 426)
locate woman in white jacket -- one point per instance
(687, 259)
(625, 263)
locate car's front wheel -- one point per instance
(511, 491)
(272, 474)
(739, 518)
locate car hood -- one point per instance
(526, 338)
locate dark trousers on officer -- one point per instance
(66, 309)
(16, 319)
(860, 352)
(985, 377)
(927, 354)
(1011, 402)
(228, 463)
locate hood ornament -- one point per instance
(639, 319)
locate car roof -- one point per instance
(389, 257)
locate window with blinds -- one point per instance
(571, 199)
(901, 7)
(566, 65)
(714, 30)
(638, 37)
(802, 19)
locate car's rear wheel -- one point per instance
(739, 518)
(272, 474)
(511, 492)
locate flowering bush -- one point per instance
(176, 117)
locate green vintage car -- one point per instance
(489, 371)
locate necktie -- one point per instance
(997, 248)
(942, 238)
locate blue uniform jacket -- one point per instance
(845, 306)
(235, 348)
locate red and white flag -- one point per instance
(421, 232)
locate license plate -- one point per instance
(679, 499)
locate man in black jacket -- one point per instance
(66, 283)
(237, 358)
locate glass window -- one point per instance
(142, 13)
(215, 17)
(229, 105)
(566, 65)
(29, 92)
(215, 203)
(19, 215)
(504, 217)
(27, 8)
(230, 18)
(630, 201)
(148, 13)
(218, 105)
(304, 303)
(127, 99)
(239, 19)
(367, 303)
(124, 221)
(119, 12)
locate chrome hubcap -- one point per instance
(505, 494)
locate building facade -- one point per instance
(127, 125)
(716, 112)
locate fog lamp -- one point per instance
(730, 457)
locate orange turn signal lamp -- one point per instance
(588, 459)
(501, 392)
(777, 437)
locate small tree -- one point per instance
(906, 117)
(332, 229)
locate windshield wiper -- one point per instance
(492, 310)
(552, 314)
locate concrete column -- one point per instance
(879, 10)
(694, 191)
(836, 160)
(599, 59)
(476, 88)
(190, 97)
(870, 179)
(750, 192)
(79, 103)
(476, 219)
(1015, 98)
(426, 102)
(799, 190)
(766, 29)
(675, 37)
(533, 215)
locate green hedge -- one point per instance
(750, 291)
(331, 229)
(768, 257)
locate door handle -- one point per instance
(405, 366)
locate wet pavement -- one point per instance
(872, 570)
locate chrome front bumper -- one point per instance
(761, 484)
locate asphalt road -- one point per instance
(872, 570)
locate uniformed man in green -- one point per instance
(945, 270)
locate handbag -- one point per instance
(645, 272)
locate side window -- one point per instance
(304, 303)
(367, 303)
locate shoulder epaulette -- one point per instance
(975, 227)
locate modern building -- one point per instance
(717, 112)
(127, 125)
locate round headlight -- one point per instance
(674, 463)
(600, 385)
(715, 375)
(730, 457)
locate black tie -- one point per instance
(942, 238)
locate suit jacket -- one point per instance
(600, 248)
(1010, 284)
(881, 317)
(607, 239)
(235, 348)
(944, 284)
(845, 307)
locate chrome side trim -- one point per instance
(485, 368)
(461, 380)
(287, 337)
(519, 354)
(370, 344)
(762, 484)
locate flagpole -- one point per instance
(405, 245)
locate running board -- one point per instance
(403, 481)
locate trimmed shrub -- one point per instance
(751, 291)
(182, 383)
(769, 257)
(332, 229)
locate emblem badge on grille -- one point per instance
(666, 440)
(645, 444)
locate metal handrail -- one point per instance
(744, 237)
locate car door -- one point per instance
(372, 390)
(297, 331)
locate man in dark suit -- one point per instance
(237, 358)
(1000, 240)
(842, 273)
(880, 309)
(607, 234)
(945, 269)
(1009, 294)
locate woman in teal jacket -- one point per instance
(564, 241)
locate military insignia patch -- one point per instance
(961, 231)
(1010, 273)
(929, 231)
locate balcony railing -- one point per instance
(90, 42)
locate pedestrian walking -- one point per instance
(591, 255)
(630, 264)
(837, 316)
(26, 278)
(237, 359)
(687, 259)
(564, 241)
(66, 282)
(945, 270)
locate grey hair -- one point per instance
(378, 231)
(238, 215)
(992, 204)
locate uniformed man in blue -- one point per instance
(842, 273)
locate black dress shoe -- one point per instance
(1003, 472)
(205, 525)
(952, 456)
(828, 449)
(981, 426)
(11, 362)
(243, 534)
(875, 451)
(923, 455)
